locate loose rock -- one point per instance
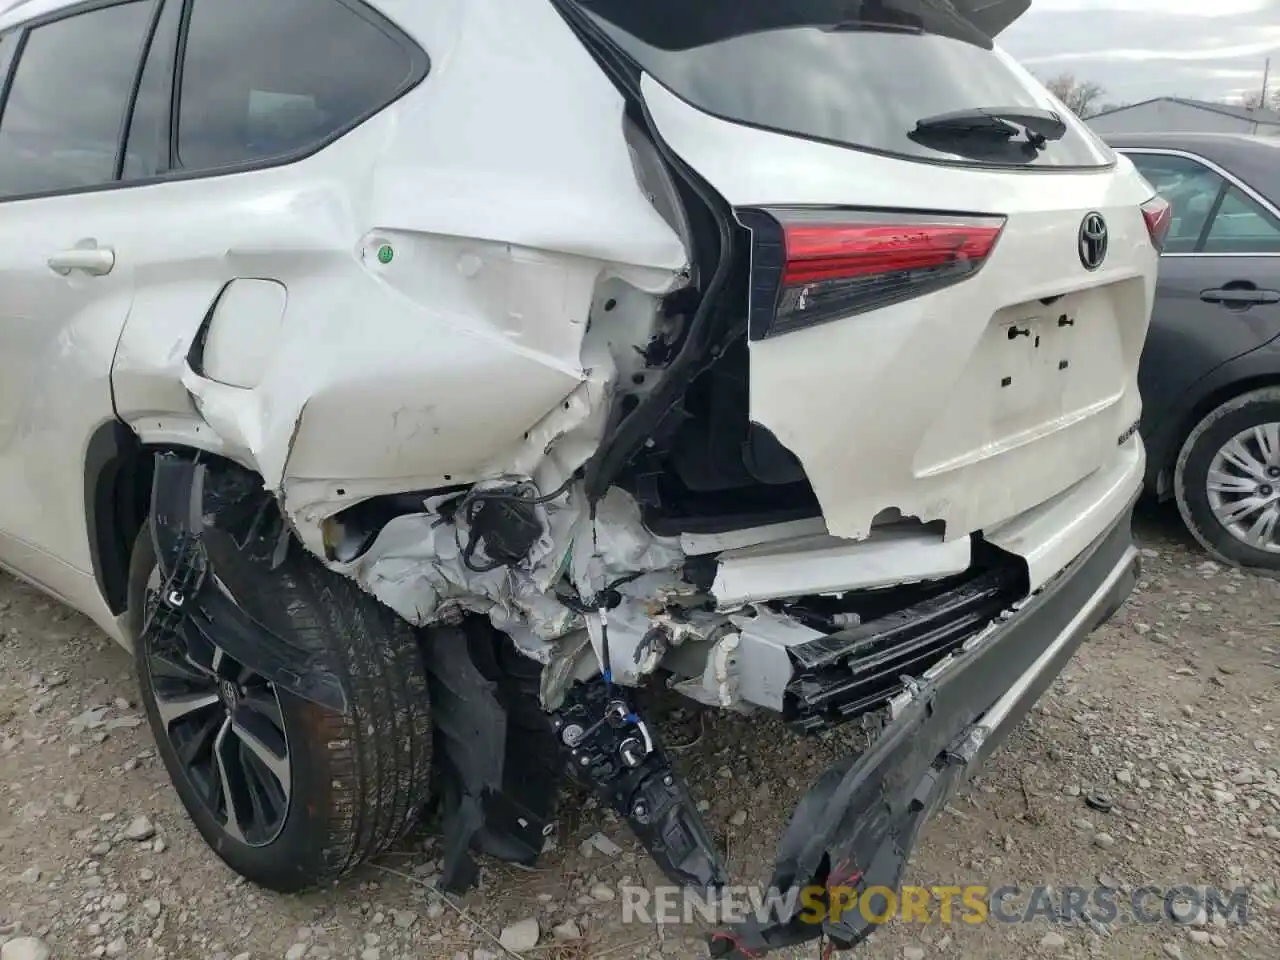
(566, 931)
(25, 948)
(140, 828)
(521, 936)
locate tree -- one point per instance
(1080, 96)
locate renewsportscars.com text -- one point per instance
(970, 904)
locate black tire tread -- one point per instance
(1199, 521)
(374, 761)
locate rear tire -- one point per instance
(355, 783)
(1196, 492)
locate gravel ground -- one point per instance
(1171, 710)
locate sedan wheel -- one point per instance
(1227, 480)
(1243, 486)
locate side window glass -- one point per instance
(1242, 225)
(147, 146)
(66, 106)
(1191, 189)
(263, 80)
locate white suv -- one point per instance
(414, 385)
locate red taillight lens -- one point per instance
(811, 266)
(835, 252)
(1159, 216)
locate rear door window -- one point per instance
(857, 74)
(1242, 225)
(1192, 190)
(265, 80)
(67, 100)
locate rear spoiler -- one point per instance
(992, 17)
(684, 24)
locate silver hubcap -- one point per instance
(225, 724)
(1244, 487)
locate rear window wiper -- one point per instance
(1004, 122)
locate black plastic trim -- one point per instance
(171, 161)
(10, 67)
(768, 264)
(148, 39)
(111, 450)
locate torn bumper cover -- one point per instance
(859, 821)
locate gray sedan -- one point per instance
(1210, 374)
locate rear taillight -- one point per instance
(1159, 216)
(811, 266)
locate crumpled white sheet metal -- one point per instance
(415, 567)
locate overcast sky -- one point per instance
(1138, 49)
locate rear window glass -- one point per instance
(856, 74)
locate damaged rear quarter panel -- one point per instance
(504, 206)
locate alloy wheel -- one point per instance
(226, 727)
(1243, 486)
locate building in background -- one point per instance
(1180, 115)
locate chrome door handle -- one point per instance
(95, 261)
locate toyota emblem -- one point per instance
(1093, 241)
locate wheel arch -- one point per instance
(118, 469)
(1253, 371)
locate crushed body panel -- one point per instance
(428, 352)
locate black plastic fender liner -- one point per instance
(490, 791)
(191, 599)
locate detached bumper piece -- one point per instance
(612, 750)
(858, 823)
(193, 607)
